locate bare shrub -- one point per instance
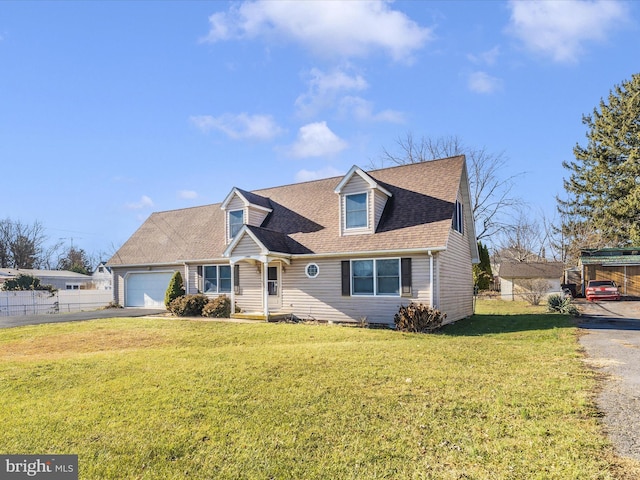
(532, 290)
(418, 318)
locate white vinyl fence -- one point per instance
(63, 301)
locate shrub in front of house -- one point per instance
(418, 318)
(174, 290)
(219, 307)
(188, 305)
(559, 304)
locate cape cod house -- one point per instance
(341, 249)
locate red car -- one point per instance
(602, 290)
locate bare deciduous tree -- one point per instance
(527, 239)
(491, 194)
(21, 245)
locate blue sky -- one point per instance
(112, 110)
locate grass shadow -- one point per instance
(491, 324)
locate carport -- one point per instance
(622, 265)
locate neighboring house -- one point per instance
(622, 265)
(60, 279)
(519, 278)
(341, 249)
(101, 277)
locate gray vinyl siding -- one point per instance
(320, 298)
(193, 283)
(456, 276)
(249, 297)
(256, 216)
(246, 247)
(380, 200)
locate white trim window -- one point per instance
(236, 220)
(380, 277)
(216, 279)
(356, 211)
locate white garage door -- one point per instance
(146, 289)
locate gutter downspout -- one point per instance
(431, 287)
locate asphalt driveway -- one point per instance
(18, 321)
(611, 342)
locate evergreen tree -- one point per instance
(482, 271)
(603, 188)
(75, 260)
(175, 289)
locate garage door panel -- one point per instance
(147, 289)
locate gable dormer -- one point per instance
(362, 200)
(243, 208)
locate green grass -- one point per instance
(499, 396)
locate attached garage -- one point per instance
(146, 289)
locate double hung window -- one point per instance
(356, 211)
(375, 277)
(236, 220)
(216, 279)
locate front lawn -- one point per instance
(493, 397)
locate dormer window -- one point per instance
(362, 201)
(244, 208)
(356, 210)
(236, 220)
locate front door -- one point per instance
(273, 288)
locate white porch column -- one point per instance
(265, 287)
(233, 288)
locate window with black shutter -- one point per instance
(346, 278)
(405, 267)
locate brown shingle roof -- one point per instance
(418, 215)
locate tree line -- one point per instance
(25, 246)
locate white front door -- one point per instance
(274, 292)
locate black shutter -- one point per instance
(346, 278)
(236, 278)
(405, 272)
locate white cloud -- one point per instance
(316, 140)
(327, 172)
(489, 57)
(187, 194)
(560, 29)
(482, 82)
(240, 126)
(345, 29)
(326, 88)
(362, 110)
(144, 202)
